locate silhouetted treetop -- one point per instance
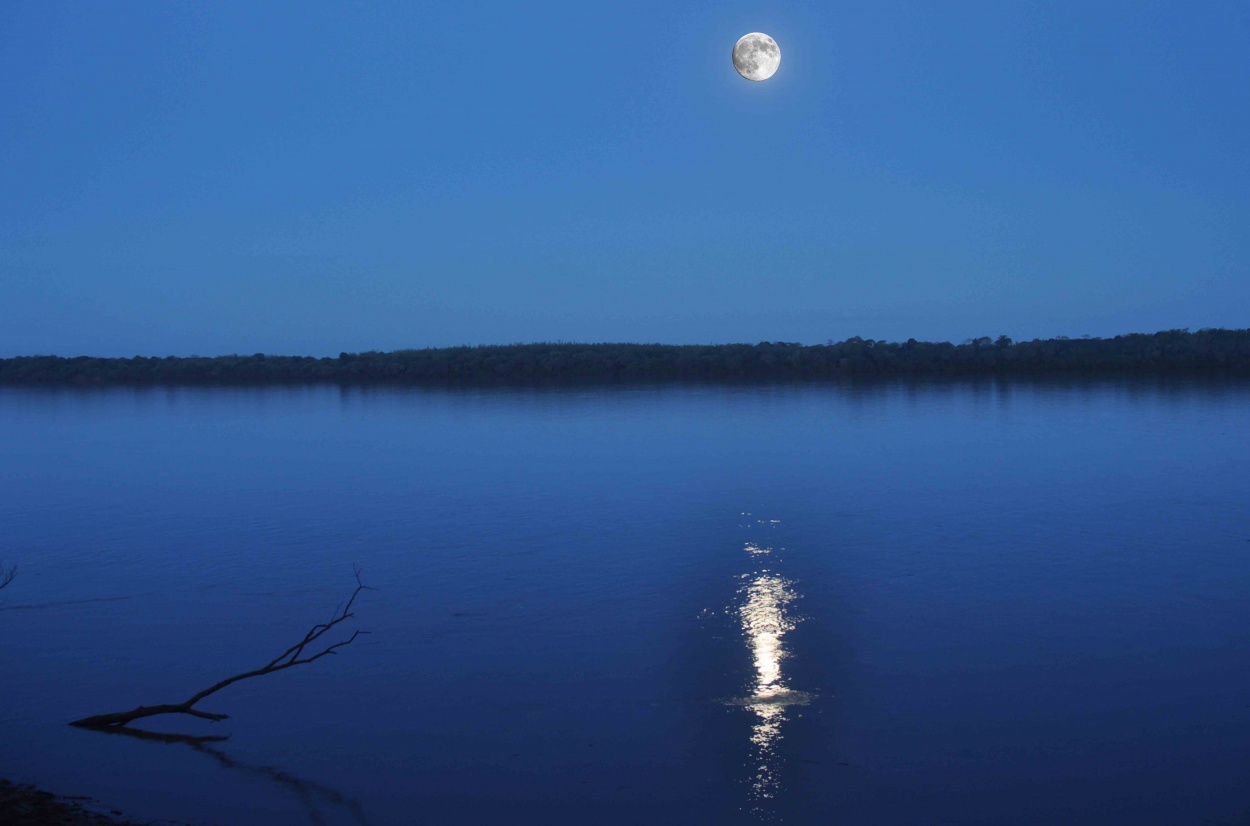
(1170, 351)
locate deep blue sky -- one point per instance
(297, 177)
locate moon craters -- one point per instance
(756, 56)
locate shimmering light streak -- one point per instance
(765, 622)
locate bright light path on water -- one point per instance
(765, 622)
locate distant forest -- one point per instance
(1171, 351)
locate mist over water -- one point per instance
(877, 603)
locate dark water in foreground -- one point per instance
(960, 603)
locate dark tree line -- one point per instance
(1170, 351)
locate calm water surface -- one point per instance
(946, 603)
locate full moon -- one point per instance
(756, 56)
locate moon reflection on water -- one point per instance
(765, 620)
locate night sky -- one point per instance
(308, 178)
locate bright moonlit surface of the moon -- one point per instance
(756, 56)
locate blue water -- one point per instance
(883, 603)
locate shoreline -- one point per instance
(1168, 352)
(24, 804)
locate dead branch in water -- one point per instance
(293, 656)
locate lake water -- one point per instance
(883, 603)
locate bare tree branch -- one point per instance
(293, 656)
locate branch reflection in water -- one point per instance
(315, 797)
(765, 620)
